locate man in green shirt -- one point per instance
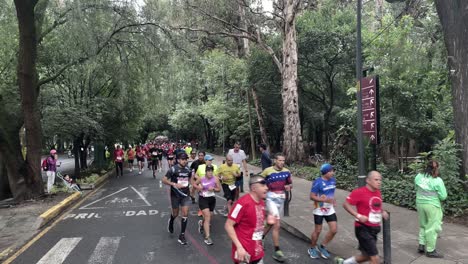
(430, 190)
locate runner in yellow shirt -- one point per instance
(228, 173)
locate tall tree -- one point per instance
(453, 16)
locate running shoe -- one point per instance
(421, 248)
(200, 226)
(313, 253)
(170, 227)
(208, 241)
(434, 254)
(279, 256)
(338, 260)
(182, 240)
(139, 172)
(323, 252)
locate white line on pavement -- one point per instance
(60, 251)
(105, 250)
(84, 207)
(141, 196)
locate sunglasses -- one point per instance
(261, 182)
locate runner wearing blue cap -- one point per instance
(323, 195)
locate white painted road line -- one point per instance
(60, 251)
(85, 207)
(141, 196)
(105, 250)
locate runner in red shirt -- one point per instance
(131, 158)
(140, 155)
(368, 216)
(245, 223)
(119, 159)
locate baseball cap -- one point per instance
(53, 151)
(326, 168)
(182, 156)
(209, 168)
(262, 145)
(208, 157)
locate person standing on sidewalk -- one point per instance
(51, 169)
(279, 181)
(178, 177)
(228, 172)
(265, 160)
(239, 158)
(430, 191)
(323, 195)
(119, 159)
(368, 215)
(245, 223)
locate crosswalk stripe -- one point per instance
(105, 250)
(60, 251)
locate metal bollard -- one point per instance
(387, 241)
(286, 203)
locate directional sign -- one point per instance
(370, 108)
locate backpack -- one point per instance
(45, 165)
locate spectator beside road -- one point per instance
(51, 169)
(245, 223)
(430, 191)
(265, 159)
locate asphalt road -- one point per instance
(125, 221)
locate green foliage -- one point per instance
(89, 180)
(305, 172)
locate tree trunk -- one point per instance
(76, 154)
(261, 122)
(29, 91)
(252, 139)
(292, 138)
(453, 16)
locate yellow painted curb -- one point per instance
(45, 217)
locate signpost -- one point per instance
(370, 108)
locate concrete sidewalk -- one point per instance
(453, 241)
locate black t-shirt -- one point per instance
(265, 160)
(195, 164)
(180, 175)
(153, 152)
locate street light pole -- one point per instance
(360, 140)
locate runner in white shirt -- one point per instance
(239, 158)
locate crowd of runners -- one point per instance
(193, 178)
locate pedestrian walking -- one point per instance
(323, 195)
(245, 223)
(265, 160)
(368, 215)
(279, 181)
(178, 177)
(430, 191)
(239, 158)
(207, 186)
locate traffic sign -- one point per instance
(370, 108)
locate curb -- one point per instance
(294, 231)
(50, 214)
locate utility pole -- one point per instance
(360, 140)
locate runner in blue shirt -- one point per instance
(323, 195)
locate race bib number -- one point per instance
(119, 158)
(232, 187)
(208, 193)
(282, 195)
(183, 182)
(154, 153)
(327, 205)
(257, 235)
(375, 218)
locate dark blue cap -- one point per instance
(326, 168)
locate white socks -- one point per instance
(351, 260)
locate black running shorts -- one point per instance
(228, 194)
(207, 202)
(318, 219)
(367, 237)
